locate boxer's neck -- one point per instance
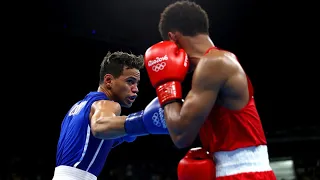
(196, 46)
(106, 92)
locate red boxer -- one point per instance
(219, 107)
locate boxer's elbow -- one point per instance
(107, 128)
(180, 135)
(106, 133)
(101, 131)
(181, 141)
(98, 134)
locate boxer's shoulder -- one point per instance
(218, 54)
(210, 74)
(107, 106)
(215, 62)
(215, 69)
(224, 61)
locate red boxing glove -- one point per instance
(167, 66)
(197, 165)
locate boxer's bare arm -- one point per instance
(105, 120)
(184, 121)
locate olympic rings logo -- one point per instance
(158, 119)
(155, 119)
(159, 67)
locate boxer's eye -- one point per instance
(130, 82)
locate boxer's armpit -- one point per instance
(105, 120)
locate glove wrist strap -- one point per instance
(169, 92)
(134, 125)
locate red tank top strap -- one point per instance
(250, 87)
(210, 50)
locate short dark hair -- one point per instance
(183, 16)
(113, 63)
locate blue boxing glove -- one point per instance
(149, 121)
(129, 139)
(120, 140)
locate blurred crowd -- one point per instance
(19, 170)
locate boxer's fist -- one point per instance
(149, 121)
(167, 66)
(129, 139)
(197, 164)
(120, 140)
(165, 61)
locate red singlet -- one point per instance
(226, 130)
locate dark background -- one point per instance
(61, 65)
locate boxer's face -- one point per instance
(125, 87)
(181, 42)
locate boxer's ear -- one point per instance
(172, 36)
(175, 36)
(108, 80)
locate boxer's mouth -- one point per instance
(132, 98)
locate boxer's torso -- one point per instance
(226, 129)
(77, 147)
(233, 131)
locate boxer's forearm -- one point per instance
(172, 116)
(184, 121)
(177, 128)
(108, 127)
